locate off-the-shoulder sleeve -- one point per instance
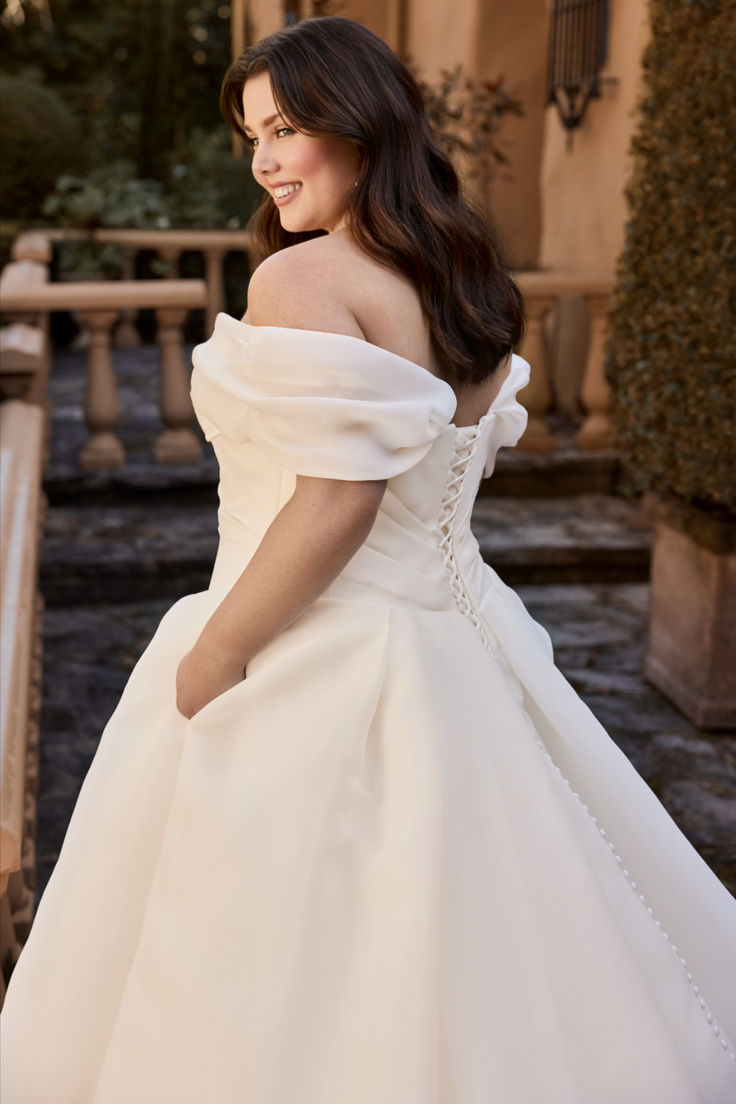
(318, 404)
(508, 416)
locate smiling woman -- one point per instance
(310, 179)
(335, 82)
(349, 835)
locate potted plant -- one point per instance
(671, 355)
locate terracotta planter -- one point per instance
(691, 656)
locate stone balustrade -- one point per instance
(26, 292)
(214, 245)
(545, 294)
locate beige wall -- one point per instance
(493, 38)
(441, 33)
(266, 16)
(582, 190)
(380, 16)
(512, 42)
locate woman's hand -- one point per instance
(202, 675)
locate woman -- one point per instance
(377, 868)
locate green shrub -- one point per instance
(672, 348)
(211, 188)
(40, 137)
(107, 197)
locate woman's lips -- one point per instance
(282, 200)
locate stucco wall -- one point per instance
(493, 38)
(512, 42)
(582, 190)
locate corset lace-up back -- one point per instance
(464, 450)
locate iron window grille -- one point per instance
(578, 34)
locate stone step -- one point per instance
(579, 538)
(565, 472)
(138, 548)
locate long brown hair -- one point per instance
(333, 77)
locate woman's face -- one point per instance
(309, 179)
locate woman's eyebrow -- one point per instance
(266, 122)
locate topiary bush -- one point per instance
(40, 138)
(671, 357)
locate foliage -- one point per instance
(39, 138)
(106, 197)
(466, 114)
(211, 189)
(672, 349)
(110, 196)
(140, 75)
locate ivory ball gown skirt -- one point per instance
(401, 862)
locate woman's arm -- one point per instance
(304, 549)
(319, 529)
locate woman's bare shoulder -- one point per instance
(303, 287)
(329, 284)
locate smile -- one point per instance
(284, 193)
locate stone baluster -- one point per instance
(537, 395)
(126, 331)
(101, 408)
(596, 431)
(214, 260)
(177, 443)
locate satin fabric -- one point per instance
(401, 862)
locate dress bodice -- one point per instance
(276, 403)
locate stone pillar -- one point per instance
(101, 408)
(596, 431)
(537, 395)
(177, 443)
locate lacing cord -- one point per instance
(462, 455)
(463, 452)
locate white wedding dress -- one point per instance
(401, 862)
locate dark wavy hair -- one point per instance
(333, 77)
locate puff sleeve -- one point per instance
(508, 416)
(318, 404)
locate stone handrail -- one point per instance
(21, 457)
(169, 244)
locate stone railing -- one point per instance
(26, 294)
(22, 431)
(214, 245)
